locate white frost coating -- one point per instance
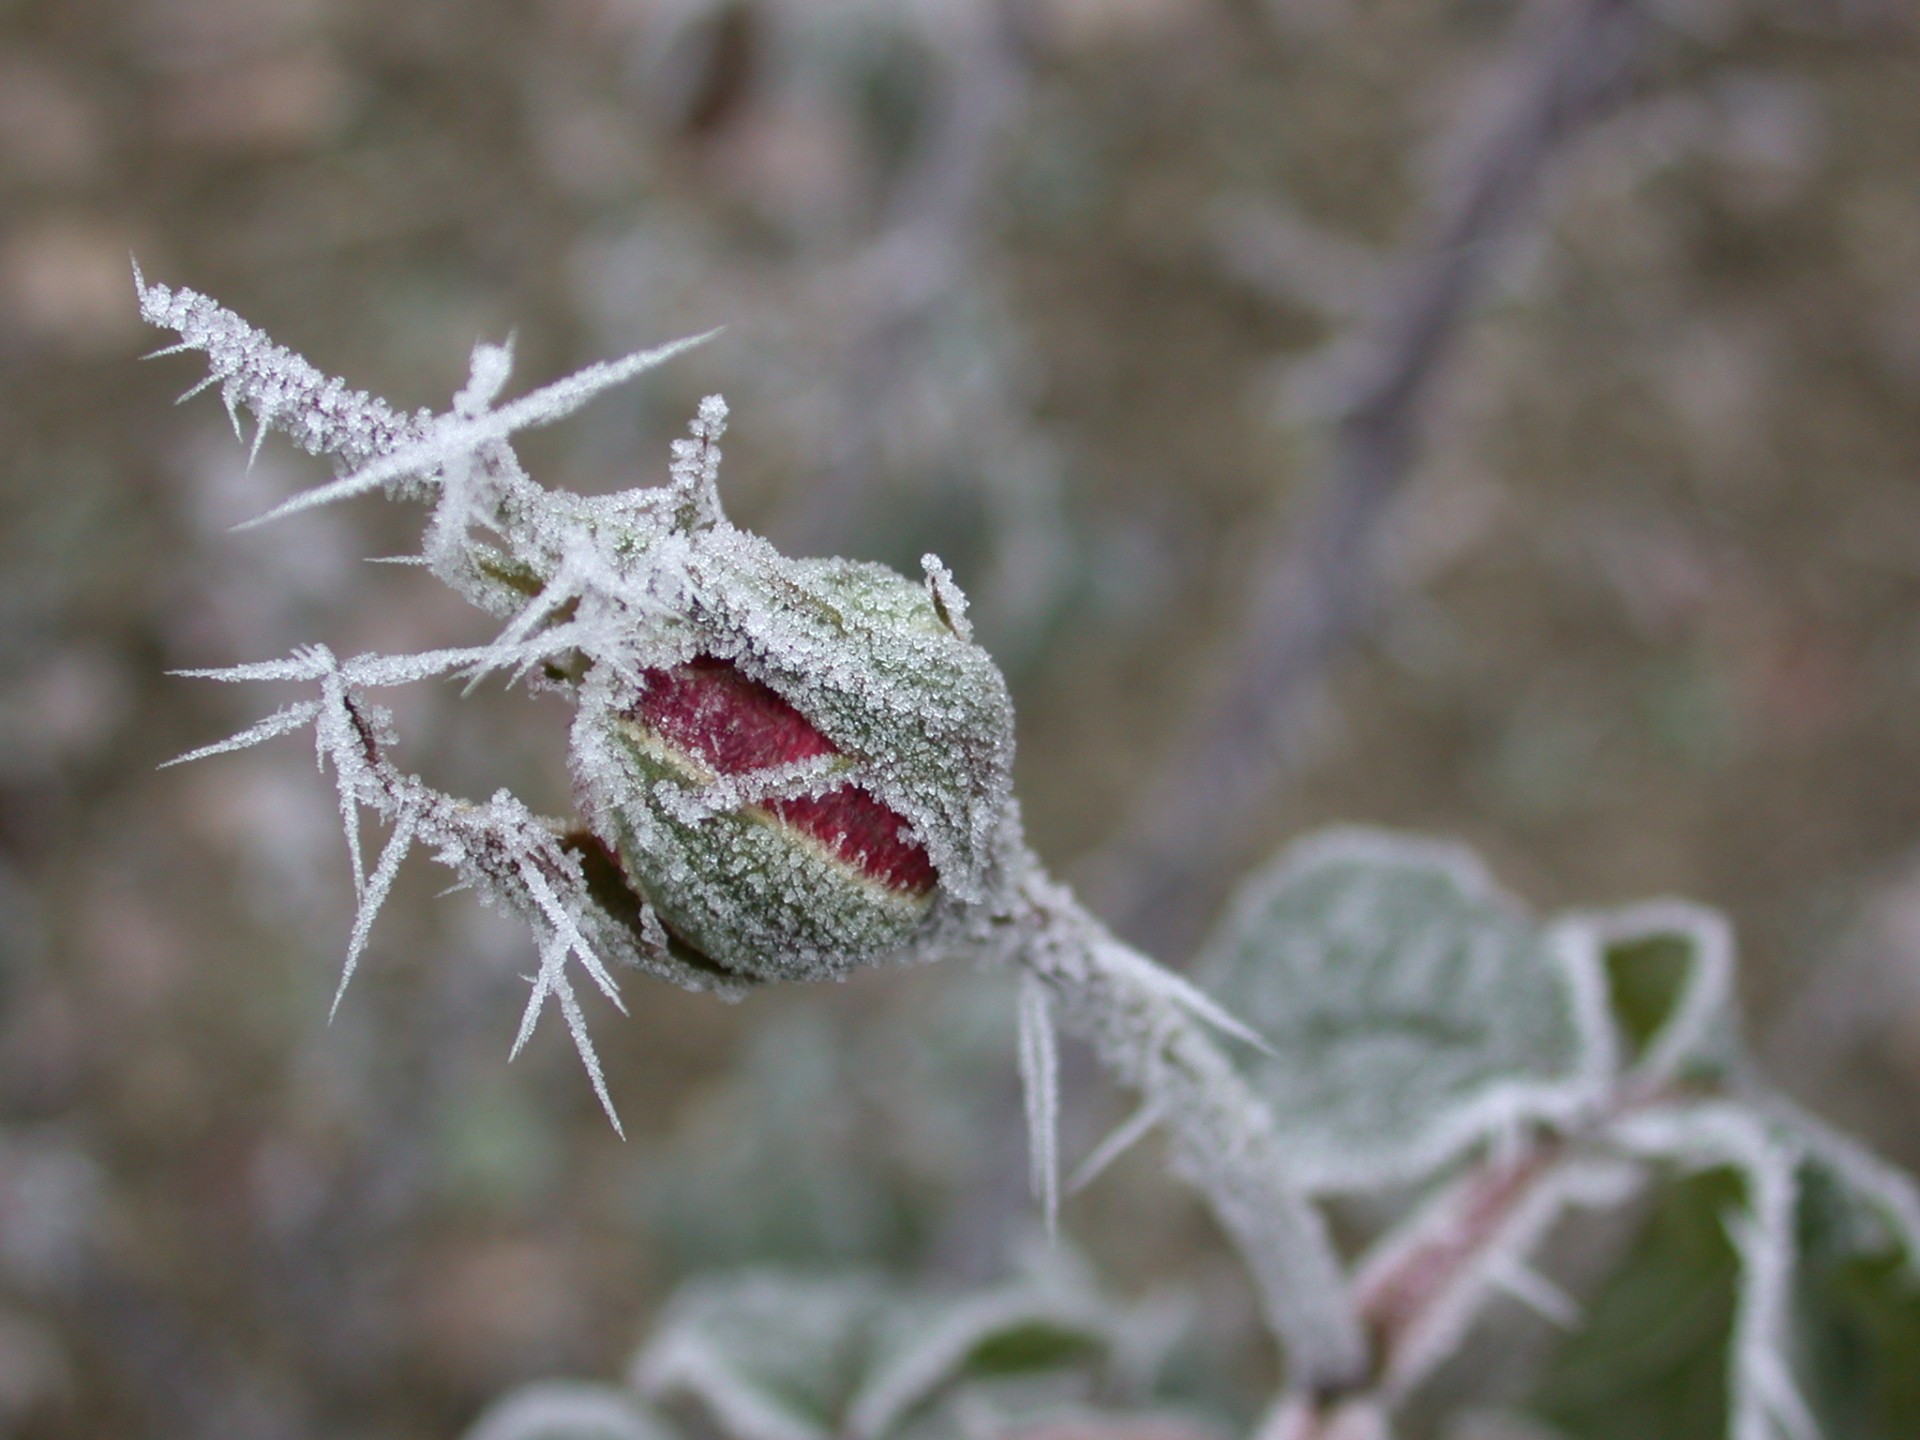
(322, 416)
(593, 593)
(1223, 1135)
(1764, 1400)
(1889, 1192)
(293, 717)
(946, 596)
(1125, 1136)
(1415, 1010)
(774, 1355)
(452, 439)
(1464, 1243)
(373, 891)
(1040, 1086)
(1301, 1418)
(1702, 1022)
(1517, 1278)
(502, 850)
(952, 1330)
(687, 1366)
(567, 1410)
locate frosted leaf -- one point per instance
(774, 1355)
(1668, 968)
(1765, 1397)
(1653, 1344)
(1826, 1239)
(1856, 1287)
(568, 1410)
(1412, 1007)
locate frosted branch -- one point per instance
(320, 414)
(1040, 1083)
(1314, 585)
(506, 853)
(452, 438)
(1145, 1029)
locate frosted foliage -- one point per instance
(772, 1355)
(1854, 1283)
(595, 593)
(1667, 966)
(558, 1410)
(1827, 1241)
(1412, 1008)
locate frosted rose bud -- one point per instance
(821, 781)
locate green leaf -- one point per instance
(1668, 967)
(569, 1410)
(1413, 1007)
(779, 1355)
(1651, 1357)
(1857, 1296)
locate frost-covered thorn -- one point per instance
(487, 372)
(191, 390)
(694, 475)
(1122, 1139)
(293, 717)
(1040, 1085)
(949, 602)
(455, 437)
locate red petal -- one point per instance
(732, 724)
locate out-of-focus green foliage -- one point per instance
(1650, 1354)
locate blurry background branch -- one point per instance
(931, 227)
(1313, 581)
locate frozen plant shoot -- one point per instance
(784, 769)
(791, 769)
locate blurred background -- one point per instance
(1496, 419)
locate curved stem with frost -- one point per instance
(1150, 1031)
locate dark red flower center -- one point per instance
(734, 725)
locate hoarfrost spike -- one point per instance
(1040, 1084)
(1125, 1136)
(455, 438)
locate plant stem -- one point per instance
(1144, 1026)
